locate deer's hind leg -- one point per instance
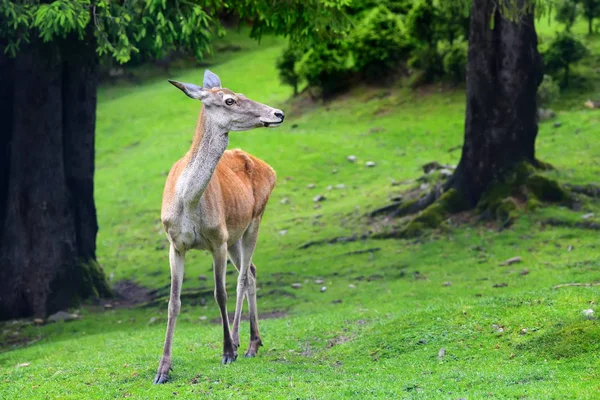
(248, 245)
(235, 255)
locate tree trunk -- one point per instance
(503, 73)
(48, 232)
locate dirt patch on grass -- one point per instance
(338, 340)
(129, 294)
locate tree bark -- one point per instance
(47, 248)
(503, 73)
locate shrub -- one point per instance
(286, 64)
(566, 13)
(564, 51)
(455, 62)
(422, 23)
(379, 43)
(429, 62)
(547, 92)
(326, 66)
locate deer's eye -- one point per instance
(229, 102)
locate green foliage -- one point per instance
(158, 25)
(548, 91)
(379, 43)
(590, 10)
(455, 62)
(422, 21)
(286, 65)
(326, 66)
(428, 61)
(564, 51)
(566, 13)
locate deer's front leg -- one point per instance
(176, 260)
(219, 266)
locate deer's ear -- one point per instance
(191, 90)
(211, 81)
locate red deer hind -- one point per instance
(214, 200)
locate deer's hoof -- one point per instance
(250, 354)
(161, 378)
(229, 358)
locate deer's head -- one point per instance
(231, 111)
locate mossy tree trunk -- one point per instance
(47, 214)
(503, 74)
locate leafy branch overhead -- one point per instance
(120, 27)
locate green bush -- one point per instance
(326, 66)
(422, 23)
(379, 43)
(429, 62)
(547, 92)
(566, 13)
(455, 62)
(286, 65)
(564, 51)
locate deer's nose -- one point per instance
(279, 114)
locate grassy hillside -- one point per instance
(437, 317)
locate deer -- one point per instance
(214, 200)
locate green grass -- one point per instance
(377, 339)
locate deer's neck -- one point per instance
(208, 146)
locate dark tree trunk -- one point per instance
(503, 73)
(48, 233)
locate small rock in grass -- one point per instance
(441, 353)
(318, 198)
(525, 272)
(557, 124)
(319, 281)
(497, 328)
(38, 321)
(395, 182)
(329, 187)
(324, 288)
(570, 248)
(523, 331)
(370, 164)
(108, 306)
(283, 232)
(311, 186)
(335, 171)
(203, 318)
(587, 216)
(445, 173)
(422, 341)
(351, 286)
(351, 158)
(447, 284)
(296, 285)
(510, 261)
(499, 285)
(431, 166)
(589, 313)
(285, 200)
(340, 186)
(202, 277)
(62, 316)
